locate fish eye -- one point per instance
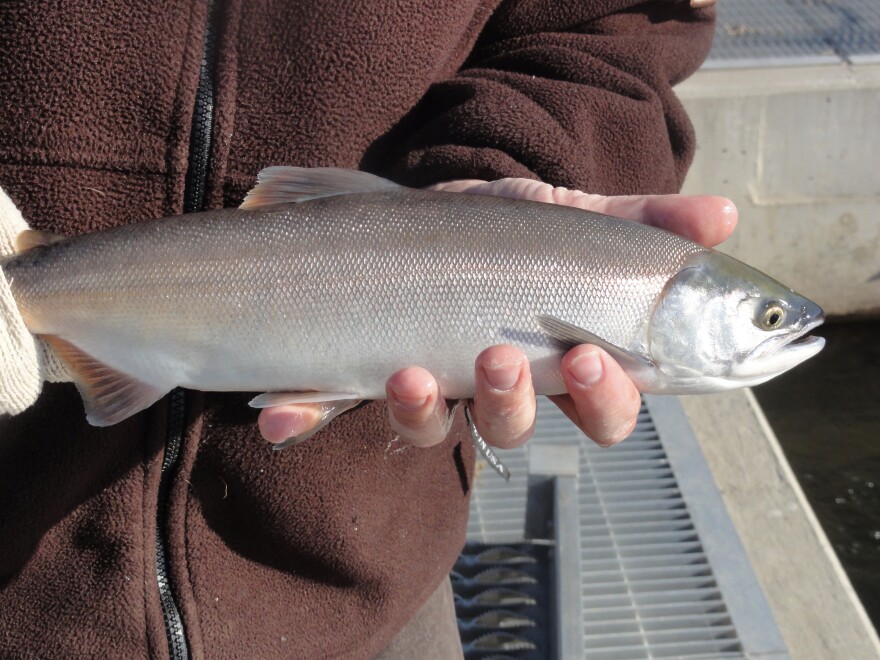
(772, 316)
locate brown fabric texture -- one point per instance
(329, 548)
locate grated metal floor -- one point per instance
(661, 570)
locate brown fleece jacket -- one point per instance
(325, 549)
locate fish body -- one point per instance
(328, 281)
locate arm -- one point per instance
(577, 94)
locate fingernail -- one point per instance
(504, 376)
(587, 369)
(408, 403)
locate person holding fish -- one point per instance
(162, 524)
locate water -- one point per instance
(826, 414)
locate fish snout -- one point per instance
(812, 316)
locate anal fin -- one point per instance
(109, 395)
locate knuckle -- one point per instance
(506, 409)
(413, 423)
(618, 434)
(425, 434)
(507, 425)
(423, 427)
(509, 436)
(410, 418)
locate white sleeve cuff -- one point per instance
(26, 361)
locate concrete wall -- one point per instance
(798, 150)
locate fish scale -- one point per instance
(334, 293)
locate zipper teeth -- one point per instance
(193, 200)
(203, 121)
(174, 630)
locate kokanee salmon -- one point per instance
(327, 281)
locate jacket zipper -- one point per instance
(174, 631)
(193, 200)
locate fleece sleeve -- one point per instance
(572, 93)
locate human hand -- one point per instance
(602, 400)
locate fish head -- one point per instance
(720, 324)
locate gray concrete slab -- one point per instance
(812, 600)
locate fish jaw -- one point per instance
(796, 352)
(758, 370)
(781, 353)
(770, 367)
(666, 379)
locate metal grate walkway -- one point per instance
(659, 569)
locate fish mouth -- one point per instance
(782, 354)
(789, 355)
(811, 343)
(812, 318)
(802, 337)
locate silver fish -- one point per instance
(325, 282)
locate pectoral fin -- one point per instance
(566, 336)
(109, 395)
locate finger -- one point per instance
(705, 219)
(504, 402)
(512, 188)
(282, 422)
(415, 409)
(602, 400)
(458, 185)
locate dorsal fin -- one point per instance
(109, 396)
(31, 238)
(284, 185)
